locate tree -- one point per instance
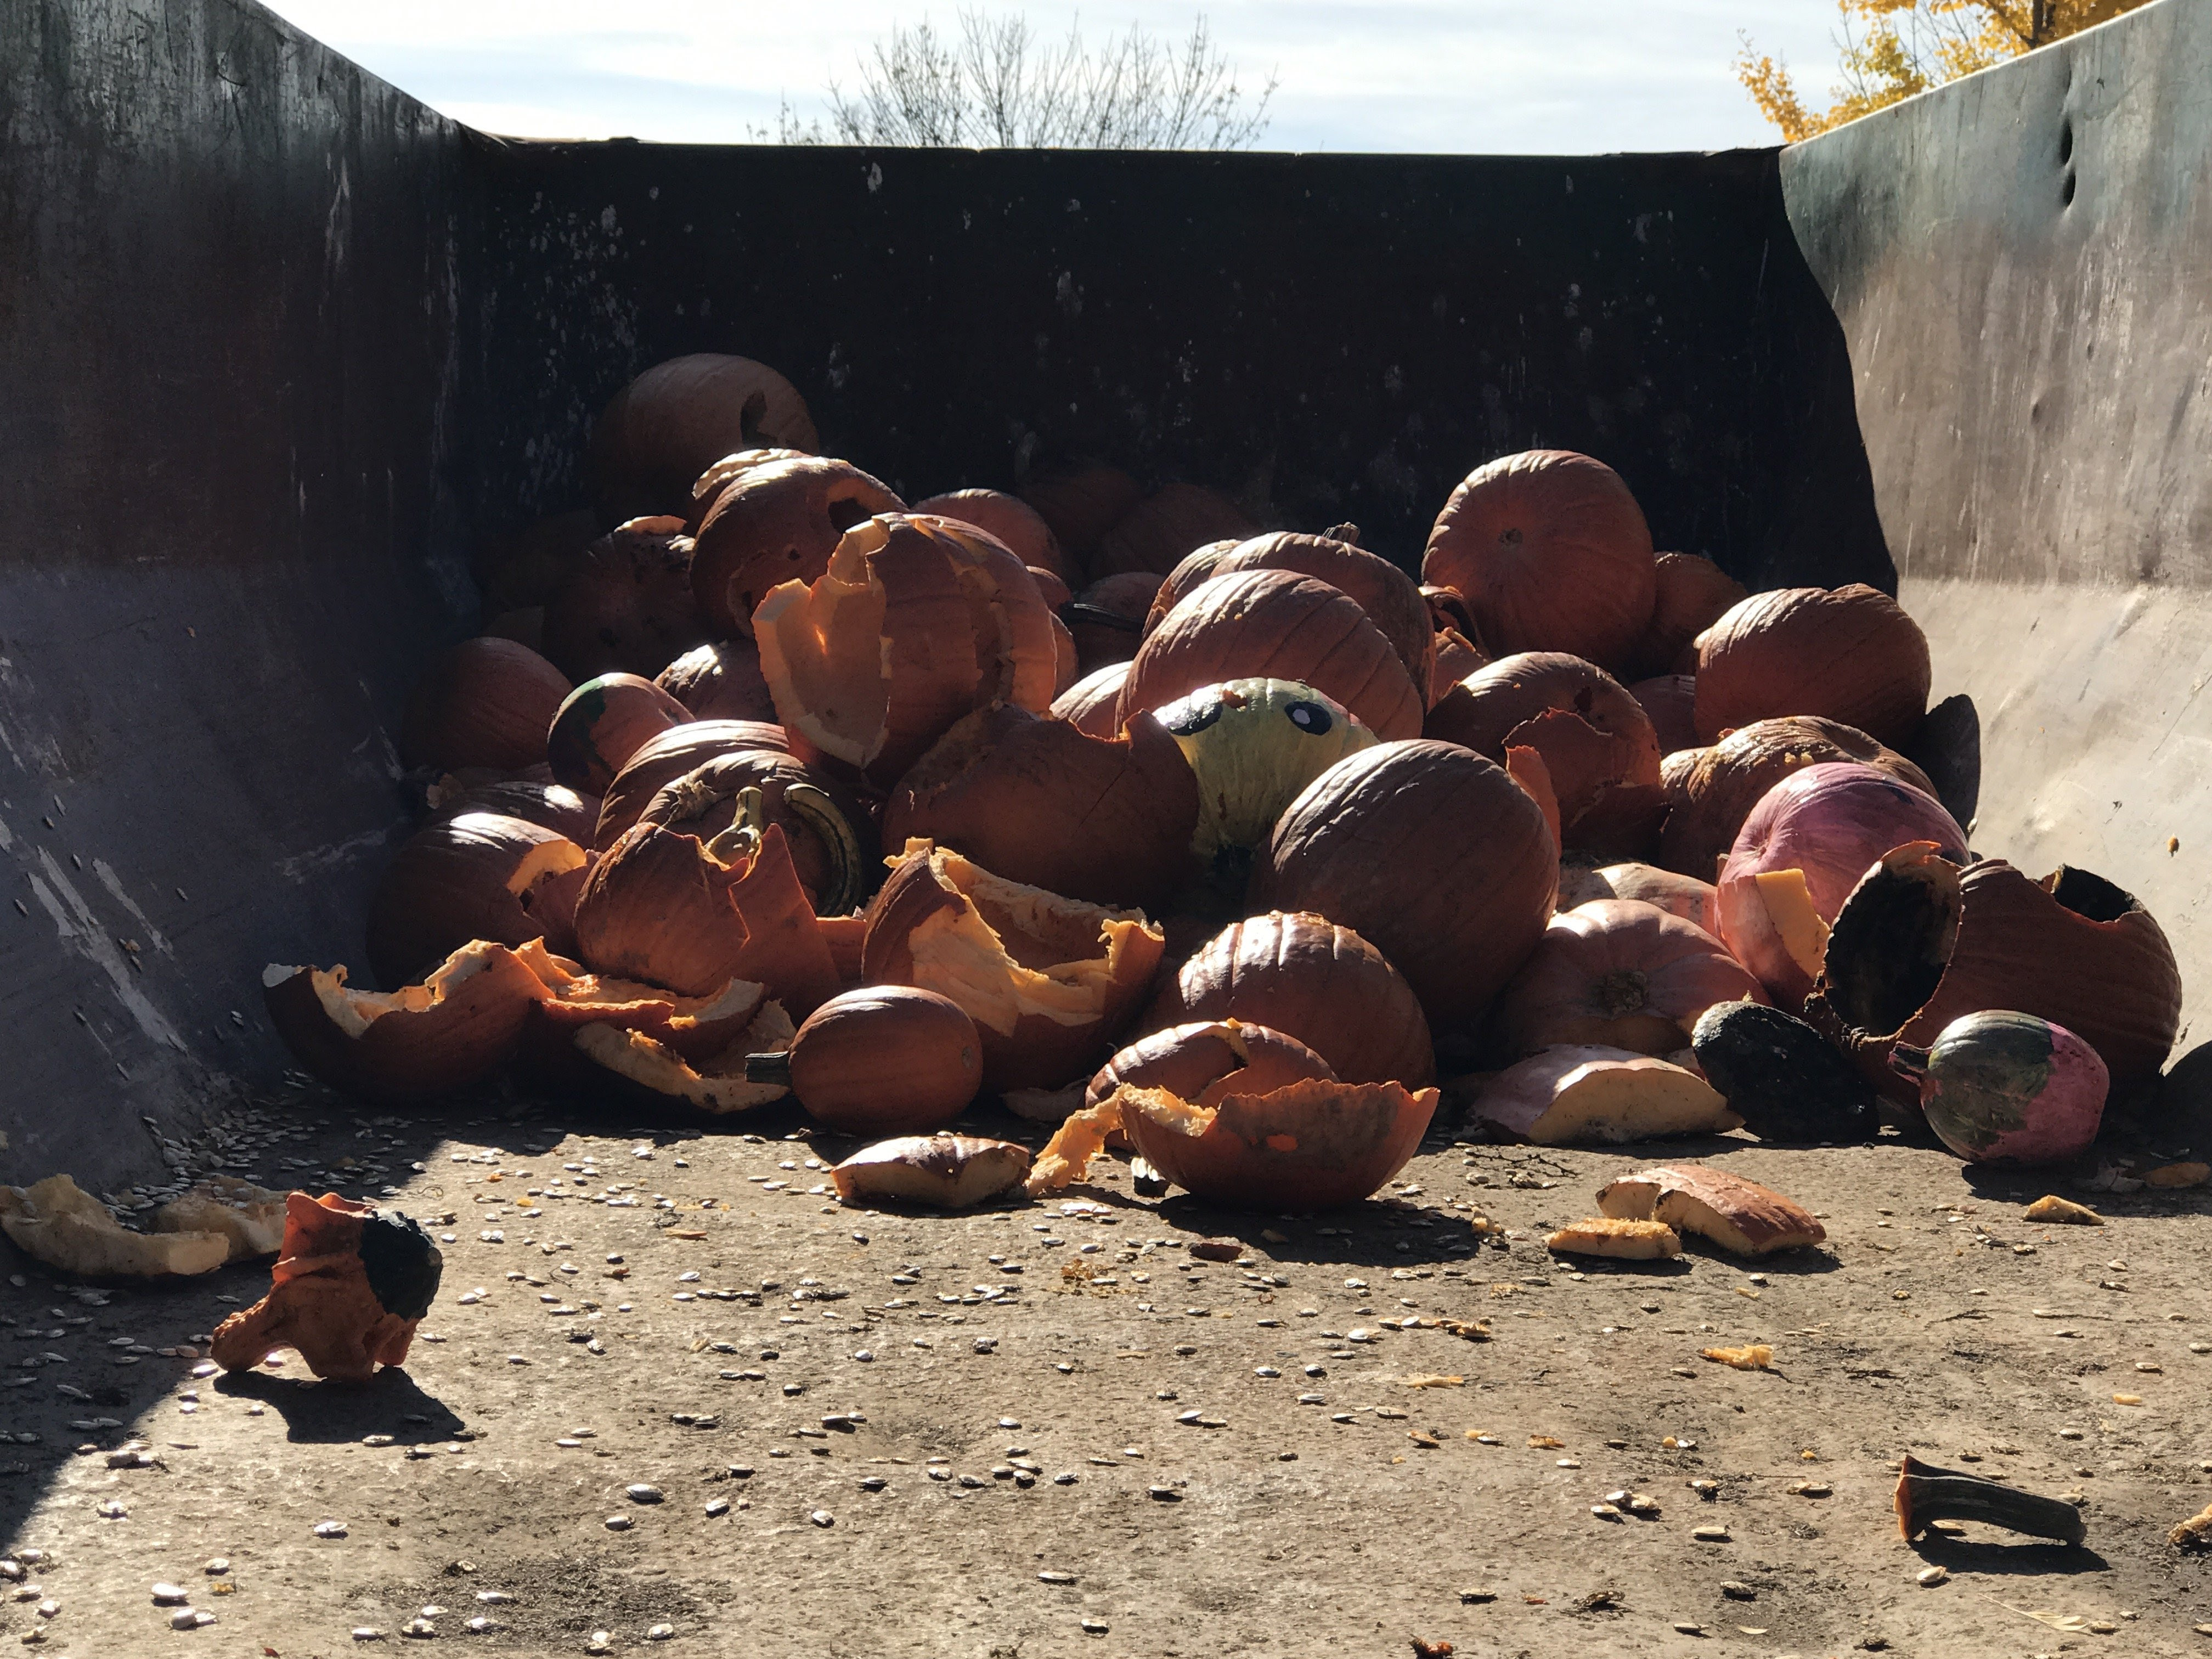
(1892, 48)
(999, 84)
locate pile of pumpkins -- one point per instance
(1158, 825)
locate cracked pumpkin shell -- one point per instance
(602, 723)
(1276, 624)
(672, 422)
(695, 1028)
(416, 1043)
(1551, 553)
(1322, 985)
(1710, 792)
(648, 1072)
(1921, 943)
(474, 876)
(1599, 749)
(1391, 598)
(708, 488)
(1311, 1145)
(350, 1284)
(627, 607)
(1618, 973)
(719, 680)
(913, 623)
(1737, 1214)
(1432, 855)
(1202, 1061)
(56, 1222)
(948, 1172)
(776, 523)
(1034, 800)
(1593, 1095)
(833, 842)
(485, 703)
(663, 907)
(1049, 982)
(1847, 654)
(660, 761)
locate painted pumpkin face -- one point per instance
(1255, 744)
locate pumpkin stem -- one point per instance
(768, 1068)
(1926, 1494)
(742, 837)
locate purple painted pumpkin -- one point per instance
(2000, 1087)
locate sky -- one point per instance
(1500, 77)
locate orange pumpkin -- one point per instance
(627, 607)
(660, 761)
(1551, 553)
(887, 1060)
(708, 488)
(1036, 800)
(1262, 624)
(1846, 653)
(474, 876)
(661, 431)
(484, 702)
(720, 681)
(1620, 974)
(1433, 854)
(1690, 594)
(1008, 519)
(1391, 598)
(832, 840)
(602, 723)
(1310, 980)
(1093, 704)
(775, 524)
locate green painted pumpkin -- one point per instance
(1255, 744)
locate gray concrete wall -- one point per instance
(229, 360)
(2022, 264)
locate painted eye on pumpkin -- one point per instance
(1311, 717)
(1193, 715)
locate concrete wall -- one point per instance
(229, 360)
(2022, 264)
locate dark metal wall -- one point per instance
(1325, 336)
(229, 374)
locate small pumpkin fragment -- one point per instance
(1624, 1240)
(1737, 1214)
(947, 1172)
(1589, 1095)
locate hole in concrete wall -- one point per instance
(2065, 142)
(2066, 190)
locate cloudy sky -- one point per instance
(1498, 75)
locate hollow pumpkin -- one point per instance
(1599, 749)
(1847, 654)
(662, 430)
(708, 488)
(1710, 792)
(1009, 519)
(636, 1067)
(660, 761)
(720, 681)
(418, 1043)
(1619, 974)
(602, 723)
(1313, 981)
(574, 998)
(1253, 745)
(1551, 553)
(775, 524)
(474, 876)
(1275, 624)
(910, 627)
(1202, 1061)
(1433, 855)
(887, 1060)
(1155, 533)
(832, 840)
(1921, 943)
(627, 607)
(673, 910)
(1034, 800)
(1049, 982)
(484, 702)
(1690, 595)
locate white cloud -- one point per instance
(1498, 75)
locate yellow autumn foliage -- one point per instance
(1892, 48)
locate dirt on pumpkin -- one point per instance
(1056, 1429)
